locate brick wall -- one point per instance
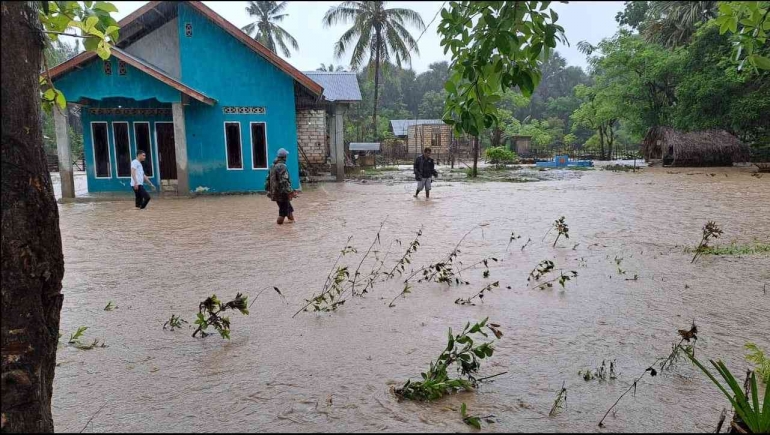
(311, 135)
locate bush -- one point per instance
(500, 156)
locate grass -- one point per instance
(579, 168)
(619, 168)
(733, 249)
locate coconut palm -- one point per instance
(265, 30)
(675, 22)
(377, 36)
(331, 68)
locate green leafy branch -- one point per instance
(209, 314)
(461, 349)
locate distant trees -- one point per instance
(265, 29)
(330, 68)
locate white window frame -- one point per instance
(149, 137)
(93, 150)
(240, 141)
(251, 137)
(115, 148)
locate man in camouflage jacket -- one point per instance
(279, 188)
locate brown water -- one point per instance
(332, 372)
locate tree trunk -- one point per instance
(601, 142)
(475, 156)
(32, 261)
(376, 81)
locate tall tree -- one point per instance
(672, 23)
(31, 251)
(265, 30)
(378, 33)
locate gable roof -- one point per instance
(340, 86)
(260, 49)
(401, 126)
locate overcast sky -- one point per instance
(582, 20)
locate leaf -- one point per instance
(760, 62)
(105, 6)
(62, 103)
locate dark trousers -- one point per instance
(142, 197)
(285, 208)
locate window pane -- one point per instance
(122, 148)
(142, 138)
(259, 145)
(101, 149)
(233, 141)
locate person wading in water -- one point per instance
(278, 187)
(137, 181)
(423, 171)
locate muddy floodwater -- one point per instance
(332, 372)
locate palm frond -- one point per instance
(281, 34)
(407, 16)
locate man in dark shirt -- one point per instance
(423, 171)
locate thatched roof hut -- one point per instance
(697, 148)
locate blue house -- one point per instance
(209, 105)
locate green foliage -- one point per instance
(461, 349)
(762, 362)
(266, 30)
(110, 306)
(756, 418)
(561, 400)
(751, 39)
(95, 25)
(74, 337)
(601, 373)
(470, 420)
(174, 322)
(209, 314)
(495, 46)
(74, 340)
(500, 156)
(561, 228)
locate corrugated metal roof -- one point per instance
(400, 126)
(364, 146)
(338, 86)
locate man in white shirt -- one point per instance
(137, 180)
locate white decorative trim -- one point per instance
(244, 110)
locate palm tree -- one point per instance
(330, 68)
(265, 30)
(674, 21)
(377, 34)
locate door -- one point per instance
(164, 132)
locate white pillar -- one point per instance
(339, 142)
(180, 147)
(63, 148)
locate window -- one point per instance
(233, 145)
(142, 138)
(122, 148)
(259, 145)
(101, 148)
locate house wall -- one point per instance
(160, 48)
(220, 66)
(114, 183)
(311, 134)
(92, 82)
(420, 137)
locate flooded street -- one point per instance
(332, 372)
